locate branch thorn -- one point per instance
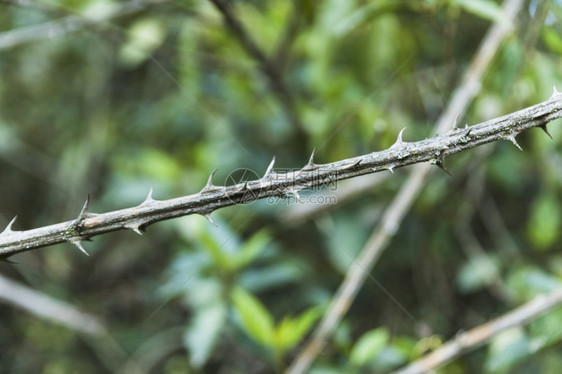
(399, 140)
(210, 186)
(545, 129)
(8, 228)
(389, 168)
(311, 165)
(208, 216)
(149, 197)
(441, 166)
(78, 244)
(84, 211)
(135, 228)
(511, 138)
(269, 169)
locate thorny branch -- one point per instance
(212, 197)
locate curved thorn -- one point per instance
(555, 91)
(441, 166)
(269, 168)
(148, 198)
(545, 129)
(399, 140)
(208, 216)
(135, 228)
(389, 168)
(311, 165)
(511, 138)
(210, 186)
(77, 243)
(455, 122)
(8, 228)
(7, 259)
(354, 165)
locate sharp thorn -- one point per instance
(295, 193)
(455, 121)
(545, 129)
(442, 167)
(269, 169)
(555, 91)
(511, 138)
(149, 197)
(208, 216)
(354, 165)
(210, 186)
(399, 139)
(311, 165)
(77, 243)
(136, 229)
(7, 259)
(390, 168)
(84, 211)
(8, 228)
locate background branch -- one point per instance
(271, 70)
(465, 342)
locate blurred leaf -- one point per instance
(506, 349)
(250, 249)
(477, 272)
(552, 40)
(144, 37)
(255, 319)
(543, 226)
(369, 346)
(527, 282)
(280, 273)
(546, 330)
(485, 9)
(291, 330)
(201, 335)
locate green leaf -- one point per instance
(144, 37)
(255, 319)
(202, 333)
(291, 330)
(543, 226)
(478, 272)
(485, 9)
(552, 40)
(368, 346)
(250, 249)
(507, 349)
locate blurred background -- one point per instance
(111, 98)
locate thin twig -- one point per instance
(48, 308)
(269, 69)
(467, 341)
(392, 217)
(434, 151)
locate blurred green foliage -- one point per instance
(164, 95)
